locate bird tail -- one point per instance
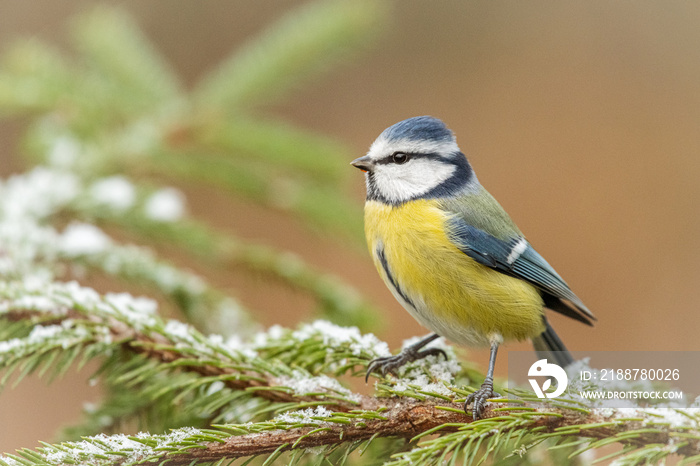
(548, 345)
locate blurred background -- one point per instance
(581, 118)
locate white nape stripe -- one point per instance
(383, 147)
(517, 250)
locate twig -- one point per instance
(397, 417)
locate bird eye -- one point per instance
(399, 158)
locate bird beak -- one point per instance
(363, 163)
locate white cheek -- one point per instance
(402, 182)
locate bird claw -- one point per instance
(388, 364)
(479, 397)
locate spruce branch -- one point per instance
(503, 429)
(116, 111)
(309, 40)
(201, 303)
(278, 144)
(40, 78)
(82, 319)
(116, 50)
(121, 111)
(118, 108)
(313, 410)
(411, 420)
(336, 299)
(33, 199)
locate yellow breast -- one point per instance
(448, 292)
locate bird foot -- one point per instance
(479, 397)
(389, 364)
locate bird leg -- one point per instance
(480, 396)
(389, 364)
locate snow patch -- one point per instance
(305, 416)
(115, 192)
(335, 336)
(83, 239)
(165, 205)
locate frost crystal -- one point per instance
(430, 375)
(165, 205)
(335, 336)
(138, 312)
(673, 417)
(82, 239)
(273, 333)
(235, 344)
(304, 384)
(98, 449)
(37, 194)
(179, 331)
(115, 192)
(305, 416)
(64, 335)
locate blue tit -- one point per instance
(452, 256)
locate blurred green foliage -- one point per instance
(116, 107)
(104, 129)
(128, 112)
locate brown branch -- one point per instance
(406, 418)
(157, 346)
(152, 347)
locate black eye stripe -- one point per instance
(461, 178)
(412, 155)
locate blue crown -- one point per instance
(420, 128)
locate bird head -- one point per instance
(412, 159)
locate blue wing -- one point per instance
(515, 257)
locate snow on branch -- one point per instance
(78, 315)
(114, 113)
(313, 408)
